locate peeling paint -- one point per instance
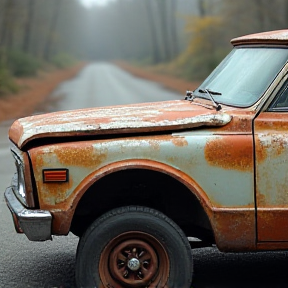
(271, 146)
(149, 117)
(55, 193)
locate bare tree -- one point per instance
(173, 28)
(162, 12)
(28, 25)
(152, 26)
(8, 25)
(52, 29)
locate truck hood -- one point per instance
(137, 118)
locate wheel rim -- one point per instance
(134, 259)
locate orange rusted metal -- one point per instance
(272, 224)
(149, 117)
(234, 229)
(279, 37)
(241, 122)
(271, 150)
(231, 152)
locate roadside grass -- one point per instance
(21, 64)
(7, 82)
(16, 65)
(63, 60)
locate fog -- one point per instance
(191, 36)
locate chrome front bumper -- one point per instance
(35, 224)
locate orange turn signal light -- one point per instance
(55, 175)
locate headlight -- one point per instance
(18, 180)
(21, 181)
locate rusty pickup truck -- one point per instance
(135, 182)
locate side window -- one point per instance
(281, 101)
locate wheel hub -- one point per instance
(134, 259)
(134, 264)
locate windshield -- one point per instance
(244, 75)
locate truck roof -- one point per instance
(279, 37)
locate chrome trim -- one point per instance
(24, 190)
(263, 103)
(18, 179)
(35, 224)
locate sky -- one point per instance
(90, 3)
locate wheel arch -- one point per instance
(174, 193)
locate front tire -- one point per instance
(134, 247)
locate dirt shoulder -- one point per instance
(33, 92)
(167, 81)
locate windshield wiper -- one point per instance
(189, 95)
(210, 93)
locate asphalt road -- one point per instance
(104, 84)
(51, 263)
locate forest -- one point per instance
(187, 38)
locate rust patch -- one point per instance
(276, 145)
(239, 124)
(272, 224)
(231, 152)
(263, 125)
(57, 191)
(234, 229)
(280, 146)
(268, 121)
(85, 156)
(39, 161)
(54, 193)
(180, 142)
(277, 126)
(261, 199)
(61, 222)
(261, 152)
(156, 141)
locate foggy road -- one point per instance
(51, 264)
(104, 84)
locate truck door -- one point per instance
(271, 170)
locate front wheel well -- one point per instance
(147, 188)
